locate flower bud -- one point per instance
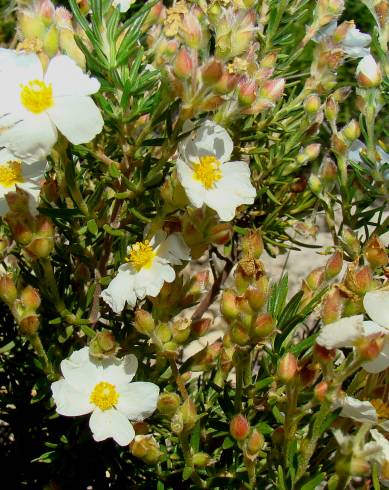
(315, 278)
(146, 448)
(144, 322)
(29, 325)
(375, 252)
(212, 72)
(331, 109)
(368, 348)
(180, 331)
(200, 327)
(315, 184)
(278, 436)
(272, 89)
(40, 248)
(239, 427)
(312, 104)
(205, 359)
(228, 305)
(352, 130)
(44, 227)
(359, 280)
(226, 84)
(327, 171)
(334, 265)
(200, 460)
(220, 234)
(239, 334)
(287, 368)
(252, 244)
(191, 31)
(51, 41)
(263, 327)
(183, 64)
(8, 291)
(309, 153)
(168, 404)
(368, 72)
(351, 243)
(332, 306)
(320, 391)
(189, 414)
(254, 442)
(30, 298)
(256, 297)
(247, 92)
(103, 345)
(31, 27)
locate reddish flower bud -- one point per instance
(212, 72)
(287, 368)
(29, 325)
(368, 348)
(8, 291)
(168, 404)
(183, 64)
(40, 248)
(334, 265)
(226, 84)
(359, 279)
(239, 335)
(247, 92)
(228, 305)
(200, 327)
(30, 298)
(256, 297)
(328, 171)
(220, 234)
(332, 306)
(144, 322)
(263, 327)
(331, 109)
(315, 278)
(239, 427)
(375, 252)
(273, 89)
(254, 442)
(322, 354)
(320, 391)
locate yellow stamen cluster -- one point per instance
(36, 96)
(207, 171)
(11, 174)
(104, 395)
(141, 255)
(381, 408)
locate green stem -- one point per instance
(186, 450)
(36, 343)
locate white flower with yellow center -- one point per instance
(34, 104)
(374, 411)
(347, 331)
(13, 173)
(148, 266)
(207, 175)
(104, 389)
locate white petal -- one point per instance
(139, 400)
(67, 78)
(111, 423)
(31, 139)
(119, 372)
(381, 362)
(149, 282)
(77, 117)
(68, 400)
(361, 411)
(383, 444)
(195, 191)
(325, 31)
(376, 304)
(123, 5)
(371, 328)
(80, 371)
(354, 152)
(20, 67)
(120, 290)
(342, 333)
(208, 139)
(174, 249)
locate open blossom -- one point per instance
(34, 104)
(355, 43)
(104, 389)
(347, 331)
(375, 411)
(148, 266)
(13, 173)
(207, 175)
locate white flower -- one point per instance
(374, 412)
(104, 389)
(33, 104)
(355, 43)
(354, 155)
(207, 175)
(368, 72)
(346, 331)
(381, 454)
(148, 266)
(13, 173)
(123, 5)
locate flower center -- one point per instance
(36, 96)
(207, 171)
(381, 408)
(11, 174)
(141, 255)
(104, 395)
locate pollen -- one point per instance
(141, 255)
(104, 395)
(381, 408)
(11, 174)
(36, 96)
(207, 171)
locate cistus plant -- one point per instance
(154, 156)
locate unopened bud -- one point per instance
(252, 244)
(320, 391)
(288, 368)
(200, 327)
(256, 297)
(350, 242)
(146, 448)
(334, 265)
(220, 234)
(200, 460)
(183, 64)
(375, 252)
(247, 92)
(368, 72)
(309, 153)
(239, 334)
(226, 84)
(180, 331)
(327, 171)
(312, 104)
(51, 41)
(212, 72)
(332, 306)
(8, 291)
(254, 442)
(263, 327)
(228, 305)
(359, 279)
(315, 278)
(40, 248)
(272, 89)
(278, 436)
(331, 109)
(239, 427)
(315, 184)
(352, 130)
(144, 322)
(368, 348)
(189, 414)
(30, 298)
(29, 325)
(191, 31)
(31, 27)
(44, 227)
(103, 345)
(168, 404)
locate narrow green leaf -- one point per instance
(92, 227)
(314, 482)
(187, 473)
